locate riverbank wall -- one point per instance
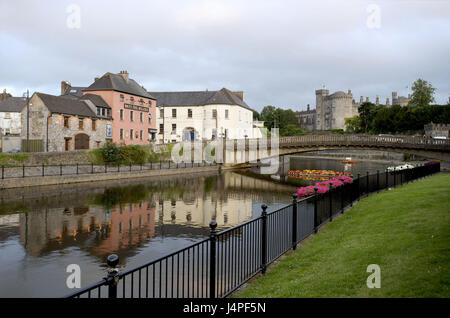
(70, 179)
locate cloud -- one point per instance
(278, 52)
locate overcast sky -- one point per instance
(277, 52)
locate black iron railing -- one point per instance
(218, 265)
(25, 171)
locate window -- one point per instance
(226, 113)
(161, 113)
(94, 125)
(103, 112)
(81, 124)
(161, 128)
(150, 103)
(141, 133)
(121, 97)
(149, 118)
(131, 100)
(108, 112)
(131, 115)
(7, 116)
(174, 129)
(174, 113)
(66, 122)
(121, 114)
(189, 113)
(131, 134)
(214, 113)
(121, 133)
(142, 117)
(99, 111)
(141, 101)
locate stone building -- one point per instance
(10, 108)
(307, 119)
(133, 109)
(203, 115)
(63, 124)
(437, 130)
(332, 110)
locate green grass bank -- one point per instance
(406, 231)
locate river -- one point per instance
(43, 230)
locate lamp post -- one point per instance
(28, 119)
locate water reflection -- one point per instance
(44, 231)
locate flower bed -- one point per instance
(429, 163)
(315, 174)
(323, 186)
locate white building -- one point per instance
(10, 123)
(202, 115)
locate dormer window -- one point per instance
(99, 111)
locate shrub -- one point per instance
(110, 153)
(133, 154)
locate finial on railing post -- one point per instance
(212, 262)
(264, 239)
(331, 201)
(113, 275)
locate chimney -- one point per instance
(64, 86)
(361, 100)
(96, 79)
(387, 102)
(124, 75)
(377, 100)
(239, 94)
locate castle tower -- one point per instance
(377, 100)
(321, 95)
(387, 102)
(394, 98)
(361, 99)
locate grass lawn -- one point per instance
(406, 231)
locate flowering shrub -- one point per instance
(431, 163)
(315, 174)
(323, 186)
(401, 167)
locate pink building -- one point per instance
(133, 108)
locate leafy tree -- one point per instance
(367, 112)
(268, 115)
(353, 124)
(422, 93)
(292, 130)
(256, 115)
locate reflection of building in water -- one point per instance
(130, 224)
(58, 226)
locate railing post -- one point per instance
(113, 275)
(23, 171)
(106, 167)
(212, 261)
(395, 177)
(330, 193)
(3, 172)
(378, 180)
(77, 167)
(401, 177)
(92, 167)
(367, 182)
(315, 211)
(359, 179)
(387, 179)
(294, 221)
(342, 195)
(60, 169)
(264, 239)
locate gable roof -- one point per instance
(13, 104)
(97, 100)
(68, 106)
(198, 98)
(116, 82)
(74, 91)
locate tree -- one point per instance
(422, 93)
(256, 115)
(367, 112)
(353, 124)
(268, 115)
(292, 130)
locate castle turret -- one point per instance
(321, 95)
(361, 99)
(387, 102)
(367, 99)
(377, 100)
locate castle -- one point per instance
(332, 110)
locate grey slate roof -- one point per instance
(97, 100)
(13, 104)
(198, 98)
(116, 82)
(74, 91)
(68, 106)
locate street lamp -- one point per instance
(28, 118)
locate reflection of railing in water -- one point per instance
(217, 266)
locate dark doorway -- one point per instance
(81, 141)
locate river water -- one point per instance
(43, 230)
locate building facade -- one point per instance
(63, 124)
(437, 130)
(10, 108)
(133, 109)
(307, 119)
(202, 115)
